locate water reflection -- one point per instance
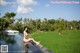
(26, 47)
(16, 45)
(7, 39)
(14, 42)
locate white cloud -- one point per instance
(25, 6)
(26, 2)
(22, 9)
(65, 2)
(2, 2)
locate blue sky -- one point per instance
(40, 9)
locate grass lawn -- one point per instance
(68, 42)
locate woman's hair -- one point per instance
(25, 28)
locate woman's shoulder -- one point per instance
(26, 33)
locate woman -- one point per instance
(27, 39)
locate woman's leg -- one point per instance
(31, 39)
(37, 43)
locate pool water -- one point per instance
(18, 46)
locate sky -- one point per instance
(40, 9)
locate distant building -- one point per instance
(11, 33)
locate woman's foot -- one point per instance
(37, 43)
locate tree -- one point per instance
(38, 24)
(19, 26)
(51, 21)
(8, 19)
